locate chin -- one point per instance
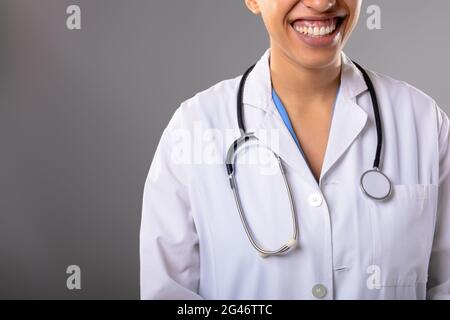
(318, 59)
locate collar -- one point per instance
(258, 89)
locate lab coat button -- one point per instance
(315, 199)
(319, 291)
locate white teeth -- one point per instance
(315, 31)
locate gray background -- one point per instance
(81, 113)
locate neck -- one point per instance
(302, 86)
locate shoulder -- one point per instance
(408, 102)
(211, 106)
(402, 92)
(405, 99)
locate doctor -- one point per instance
(306, 101)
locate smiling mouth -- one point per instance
(317, 27)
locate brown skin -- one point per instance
(306, 78)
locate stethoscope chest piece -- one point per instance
(376, 185)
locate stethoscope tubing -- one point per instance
(249, 136)
(373, 97)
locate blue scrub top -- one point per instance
(284, 115)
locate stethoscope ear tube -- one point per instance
(240, 98)
(376, 111)
(373, 96)
(382, 188)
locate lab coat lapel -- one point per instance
(348, 121)
(271, 131)
(349, 118)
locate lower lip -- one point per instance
(322, 41)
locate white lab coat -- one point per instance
(192, 242)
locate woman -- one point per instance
(310, 104)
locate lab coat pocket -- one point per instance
(402, 233)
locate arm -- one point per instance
(169, 252)
(439, 269)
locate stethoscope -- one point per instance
(374, 183)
